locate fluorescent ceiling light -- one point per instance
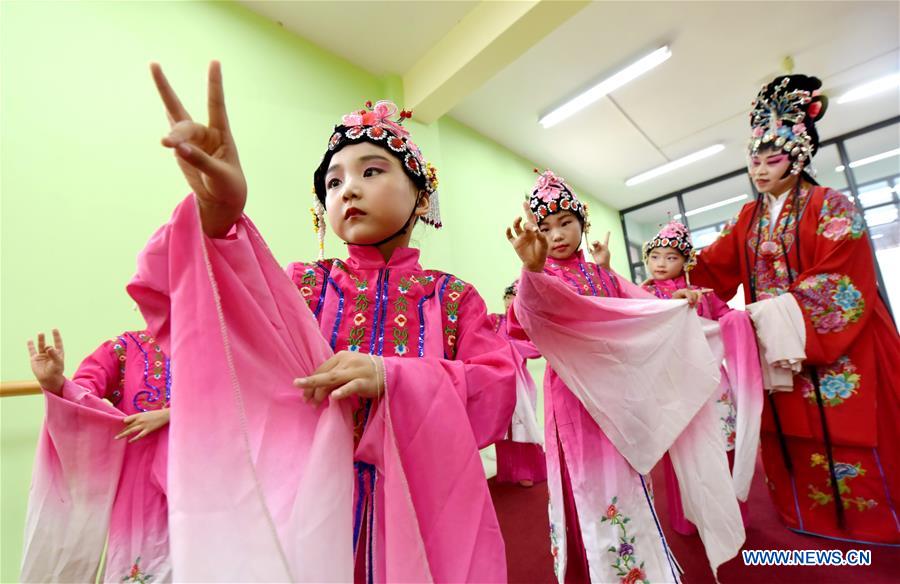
(871, 88)
(712, 206)
(606, 86)
(869, 159)
(675, 164)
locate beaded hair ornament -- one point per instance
(551, 194)
(382, 126)
(674, 234)
(783, 116)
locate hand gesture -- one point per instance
(345, 373)
(530, 244)
(206, 154)
(692, 296)
(47, 363)
(144, 423)
(600, 252)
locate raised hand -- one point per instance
(143, 423)
(47, 363)
(600, 252)
(345, 373)
(530, 244)
(206, 154)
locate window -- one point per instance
(871, 179)
(707, 209)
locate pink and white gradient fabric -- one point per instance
(644, 371)
(90, 490)
(261, 483)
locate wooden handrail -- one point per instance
(14, 388)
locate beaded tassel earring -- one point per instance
(433, 217)
(587, 227)
(318, 216)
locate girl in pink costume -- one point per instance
(89, 483)
(668, 257)
(616, 399)
(520, 456)
(414, 377)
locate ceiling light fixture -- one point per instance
(675, 164)
(869, 159)
(606, 86)
(712, 206)
(871, 88)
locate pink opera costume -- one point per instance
(628, 379)
(287, 488)
(520, 455)
(89, 489)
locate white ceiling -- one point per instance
(722, 53)
(381, 37)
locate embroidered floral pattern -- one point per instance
(136, 575)
(583, 282)
(456, 287)
(837, 382)
(156, 376)
(309, 277)
(831, 301)
(772, 274)
(400, 335)
(843, 472)
(728, 419)
(625, 561)
(306, 282)
(554, 548)
(360, 305)
(839, 218)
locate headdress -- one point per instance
(552, 195)
(783, 116)
(376, 125)
(675, 235)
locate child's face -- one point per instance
(368, 196)
(564, 233)
(665, 263)
(768, 168)
(508, 300)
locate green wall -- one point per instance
(84, 181)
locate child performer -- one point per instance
(669, 256)
(520, 456)
(429, 379)
(830, 438)
(617, 395)
(89, 483)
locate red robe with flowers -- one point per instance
(819, 251)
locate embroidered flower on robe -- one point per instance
(625, 561)
(837, 382)
(831, 301)
(843, 472)
(839, 218)
(136, 575)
